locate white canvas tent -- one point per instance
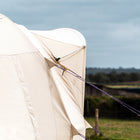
(37, 102)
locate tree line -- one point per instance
(113, 77)
(109, 70)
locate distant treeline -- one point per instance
(113, 77)
(109, 70)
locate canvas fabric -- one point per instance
(37, 101)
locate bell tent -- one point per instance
(39, 100)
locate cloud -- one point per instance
(125, 32)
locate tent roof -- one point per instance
(21, 41)
(12, 40)
(65, 35)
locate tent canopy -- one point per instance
(37, 101)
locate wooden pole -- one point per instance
(96, 122)
(88, 107)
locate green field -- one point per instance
(116, 129)
(121, 86)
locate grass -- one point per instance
(122, 86)
(116, 129)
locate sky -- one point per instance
(111, 27)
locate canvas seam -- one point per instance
(54, 40)
(15, 54)
(51, 100)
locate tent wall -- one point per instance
(15, 123)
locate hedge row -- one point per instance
(113, 77)
(108, 108)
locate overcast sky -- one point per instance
(111, 27)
